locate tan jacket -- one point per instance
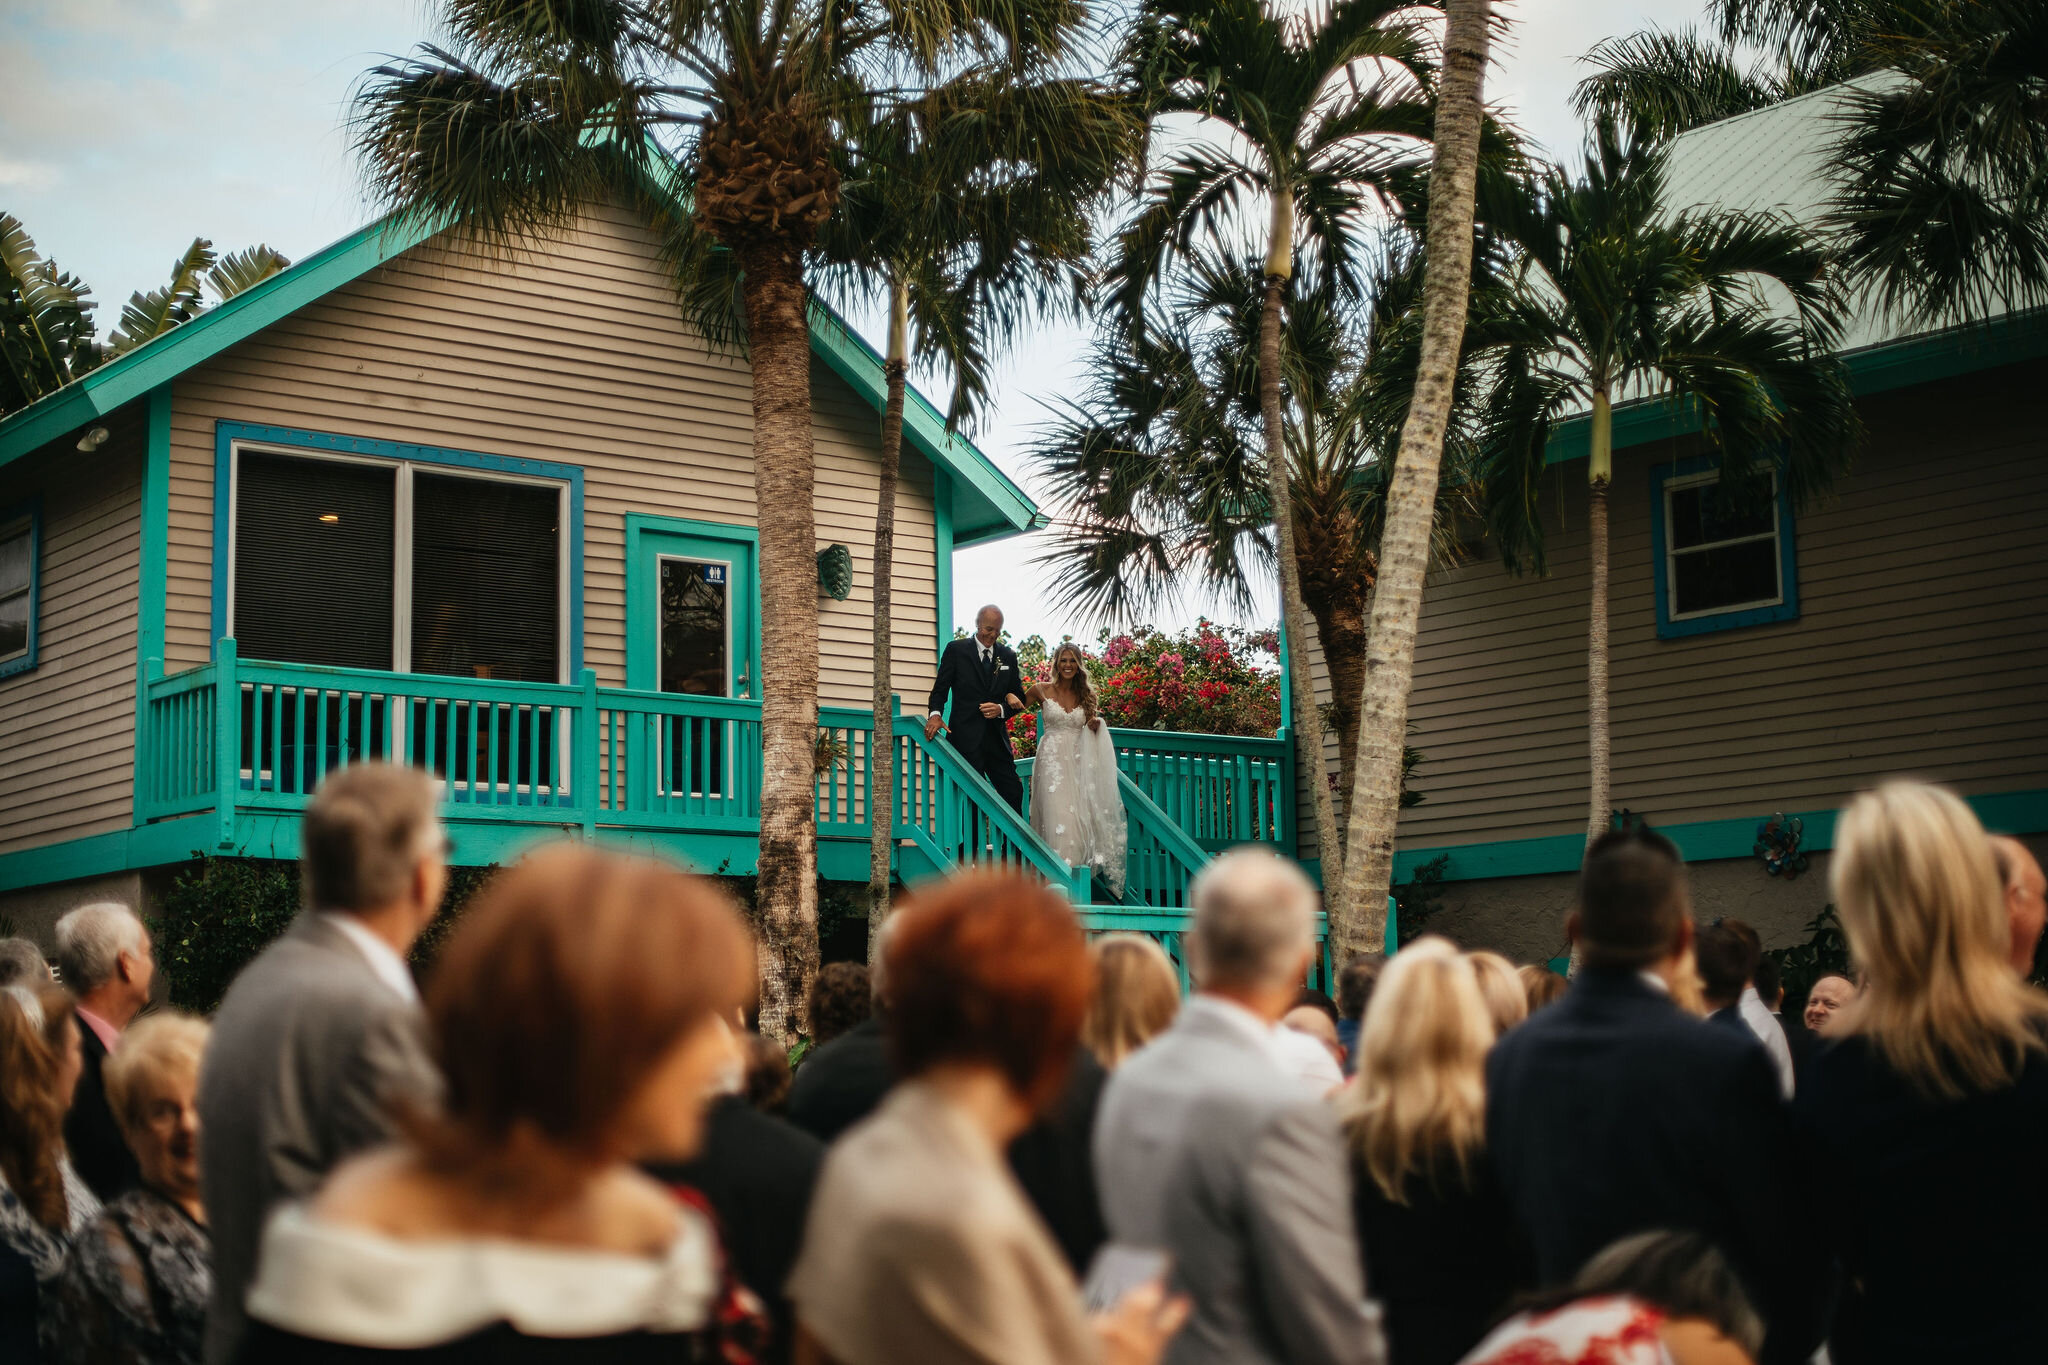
(920, 1247)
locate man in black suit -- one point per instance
(108, 962)
(1614, 1111)
(981, 675)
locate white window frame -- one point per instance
(731, 681)
(401, 549)
(1672, 553)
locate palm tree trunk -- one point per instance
(882, 756)
(778, 341)
(1340, 621)
(1308, 720)
(1599, 474)
(1411, 494)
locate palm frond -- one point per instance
(145, 317)
(1658, 84)
(244, 269)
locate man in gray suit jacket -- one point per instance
(321, 1036)
(1209, 1150)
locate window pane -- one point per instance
(1730, 576)
(694, 603)
(14, 559)
(313, 560)
(486, 578)
(14, 625)
(1702, 514)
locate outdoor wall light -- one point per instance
(94, 439)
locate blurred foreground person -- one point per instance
(2026, 899)
(1938, 1091)
(842, 997)
(137, 1280)
(22, 964)
(320, 1037)
(1507, 1001)
(1354, 992)
(1614, 1111)
(42, 1200)
(920, 1246)
(1657, 1298)
(1211, 1152)
(1540, 985)
(841, 1082)
(1137, 995)
(108, 962)
(578, 1013)
(1442, 1252)
(1825, 1003)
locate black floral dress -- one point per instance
(134, 1287)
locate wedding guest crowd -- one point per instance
(1011, 1144)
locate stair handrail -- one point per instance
(954, 765)
(1179, 845)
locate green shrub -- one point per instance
(221, 911)
(1825, 953)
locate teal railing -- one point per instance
(1160, 859)
(952, 815)
(1222, 789)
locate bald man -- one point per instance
(2025, 888)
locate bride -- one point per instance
(1075, 807)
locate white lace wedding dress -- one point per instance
(1075, 806)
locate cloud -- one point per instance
(28, 175)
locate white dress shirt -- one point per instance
(1770, 1033)
(382, 957)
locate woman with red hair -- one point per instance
(920, 1246)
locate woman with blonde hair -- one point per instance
(1507, 1002)
(1441, 1248)
(1137, 995)
(1936, 1087)
(43, 1203)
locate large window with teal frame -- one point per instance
(1721, 559)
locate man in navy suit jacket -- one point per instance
(981, 675)
(1614, 1111)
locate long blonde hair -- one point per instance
(1507, 1003)
(1924, 913)
(1137, 994)
(1418, 1105)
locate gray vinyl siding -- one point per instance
(574, 353)
(1921, 645)
(67, 727)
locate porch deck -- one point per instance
(238, 746)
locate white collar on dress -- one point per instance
(356, 1287)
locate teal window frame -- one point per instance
(1786, 608)
(30, 511)
(314, 443)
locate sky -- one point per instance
(127, 127)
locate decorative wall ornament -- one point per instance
(1777, 843)
(835, 572)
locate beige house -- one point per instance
(494, 515)
(1777, 666)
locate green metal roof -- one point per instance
(986, 504)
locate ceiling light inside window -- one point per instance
(329, 517)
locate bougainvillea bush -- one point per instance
(1211, 679)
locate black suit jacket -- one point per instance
(842, 1082)
(1053, 1160)
(1935, 1207)
(758, 1173)
(1614, 1112)
(960, 676)
(98, 1151)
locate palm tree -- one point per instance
(1657, 84)
(965, 253)
(46, 330)
(1322, 114)
(1158, 468)
(532, 110)
(1732, 317)
(1412, 491)
(1943, 209)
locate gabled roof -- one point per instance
(986, 505)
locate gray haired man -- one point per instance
(1208, 1151)
(108, 962)
(320, 1040)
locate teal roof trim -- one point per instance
(1922, 359)
(988, 505)
(849, 355)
